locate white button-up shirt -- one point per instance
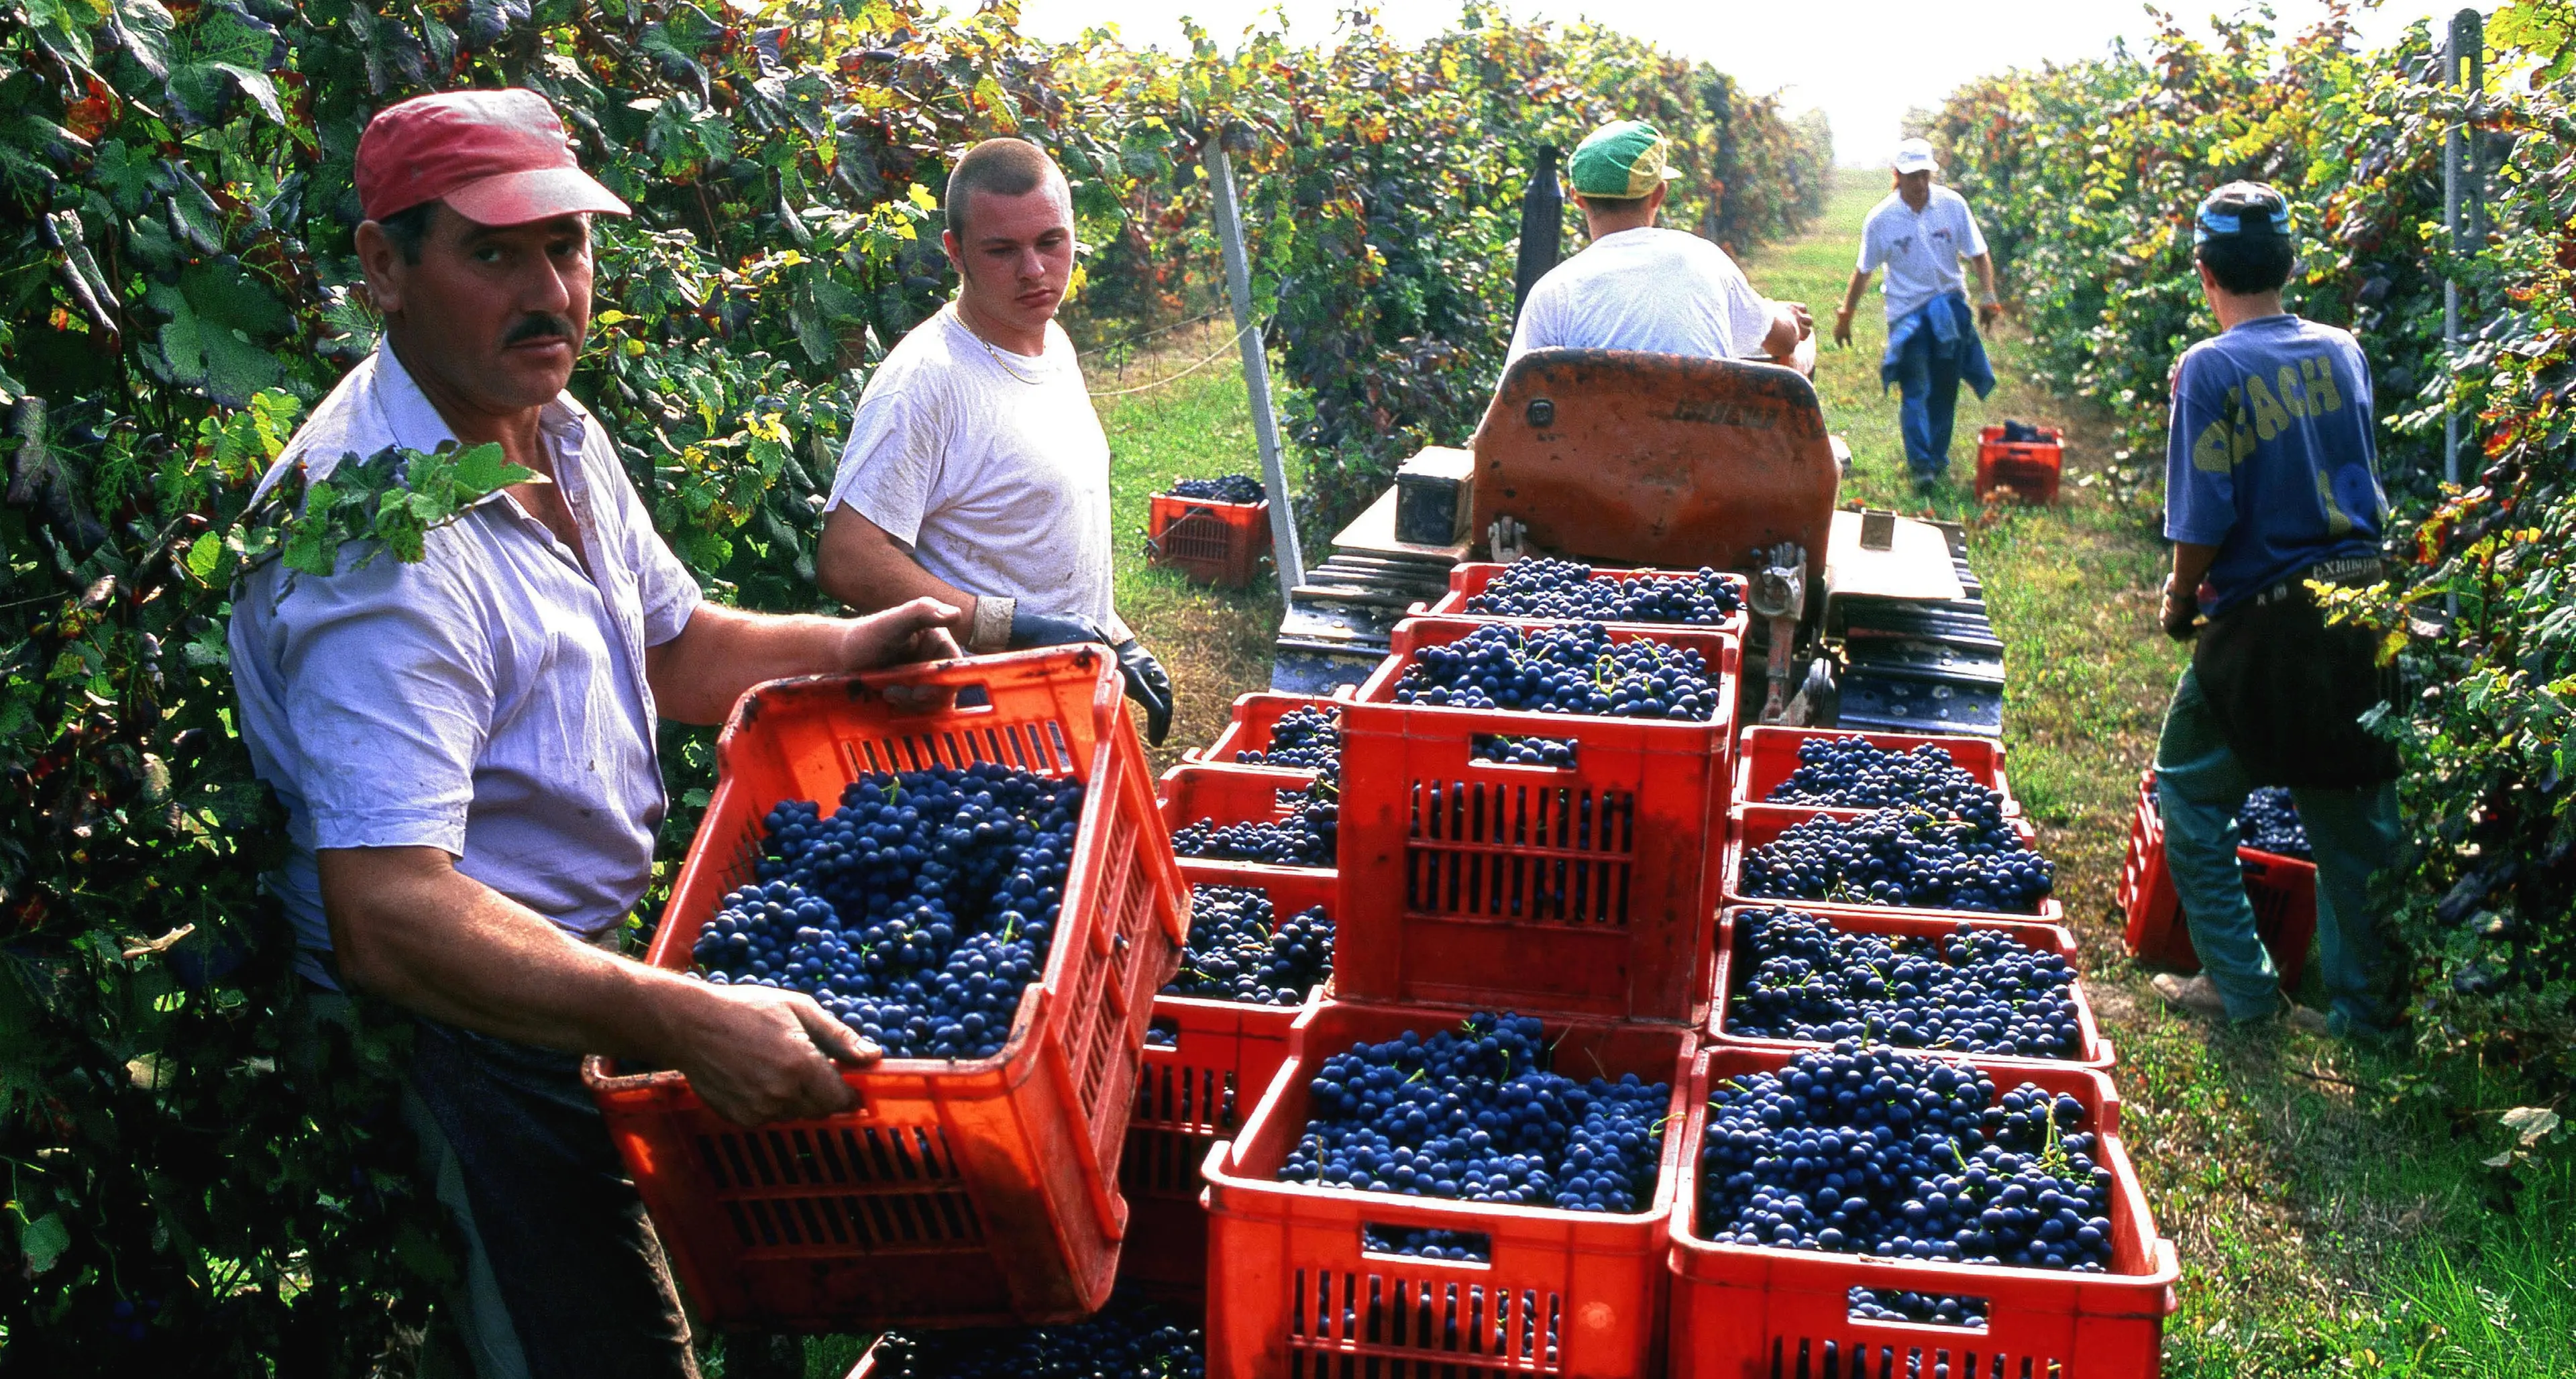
(1920, 249)
(489, 700)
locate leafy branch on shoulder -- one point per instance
(388, 502)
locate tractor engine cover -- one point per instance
(1626, 458)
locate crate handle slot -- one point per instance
(1860, 1294)
(1379, 1239)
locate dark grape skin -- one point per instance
(1239, 952)
(1900, 857)
(1472, 1114)
(1304, 739)
(916, 913)
(1876, 1151)
(1566, 589)
(1573, 668)
(1798, 976)
(1131, 1338)
(1856, 773)
(2269, 822)
(1231, 488)
(1308, 837)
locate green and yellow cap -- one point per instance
(1621, 159)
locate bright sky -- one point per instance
(1864, 61)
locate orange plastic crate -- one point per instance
(2094, 1051)
(2026, 470)
(1210, 542)
(1249, 728)
(2283, 890)
(959, 1192)
(1293, 1289)
(1754, 825)
(1232, 795)
(1194, 1092)
(1754, 1312)
(1584, 890)
(1764, 757)
(1468, 580)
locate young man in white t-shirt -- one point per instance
(1919, 234)
(1638, 287)
(976, 471)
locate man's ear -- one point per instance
(383, 265)
(956, 252)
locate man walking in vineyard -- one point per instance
(976, 471)
(1919, 234)
(464, 745)
(1638, 286)
(2271, 485)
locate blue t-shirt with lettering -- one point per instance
(2271, 456)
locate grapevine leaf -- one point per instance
(225, 50)
(142, 28)
(481, 470)
(204, 555)
(2532, 1123)
(43, 1241)
(215, 338)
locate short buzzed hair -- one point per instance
(1004, 167)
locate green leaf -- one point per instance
(144, 28)
(204, 555)
(223, 51)
(221, 323)
(481, 470)
(43, 1241)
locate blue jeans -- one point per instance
(1927, 381)
(2200, 784)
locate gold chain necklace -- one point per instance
(1006, 365)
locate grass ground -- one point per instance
(2329, 1203)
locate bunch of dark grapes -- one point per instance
(1129, 1339)
(1872, 1151)
(1473, 1114)
(1548, 588)
(1970, 990)
(2269, 822)
(1901, 857)
(1306, 838)
(916, 913)
(1855, 773)
(1573, 669)
(1305, 739)
(1237, 953)
(1906, 1305)
(1233, 488)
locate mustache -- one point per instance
(538, 325)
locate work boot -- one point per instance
(1929, 481)
(2199, 995)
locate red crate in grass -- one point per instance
(1293, 1289)
(1468, 580)
(1751, 1312)
(958, 1192)
(1249, 729)
(1755, 825)
(1195, 1091)
(1232, 795)
(2283, 889)
(1765, 756)
(1586, 889)
(2094, 1051)
(1211, 542)
(2028, 470)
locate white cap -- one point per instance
(1915, 155)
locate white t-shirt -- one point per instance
(1920, 250)
(1667, 291)
(989, 466)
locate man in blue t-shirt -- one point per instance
(2270, 485)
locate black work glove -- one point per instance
(2180, 614)
(1031, 628)
(1148, 686)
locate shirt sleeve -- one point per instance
(2200, 454)
(387, 673)
(1872, 253)
(1747, 313)
(1534, 331)
(1975, 239)
(889, 471)
(663, 586)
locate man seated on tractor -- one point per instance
(976, 471)
(2271, 488)
(464, 745)
(1640, 287)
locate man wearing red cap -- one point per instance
(465, 747)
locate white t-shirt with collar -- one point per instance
(989, 466)
(1920, 250)
(1665, 291)
(489, 700)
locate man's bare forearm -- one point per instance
(1985, 275)
(1851, 294)
(2191, 562)
(861, 566)
(408, 927)
(699, 674)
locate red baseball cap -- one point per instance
(495, 157)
